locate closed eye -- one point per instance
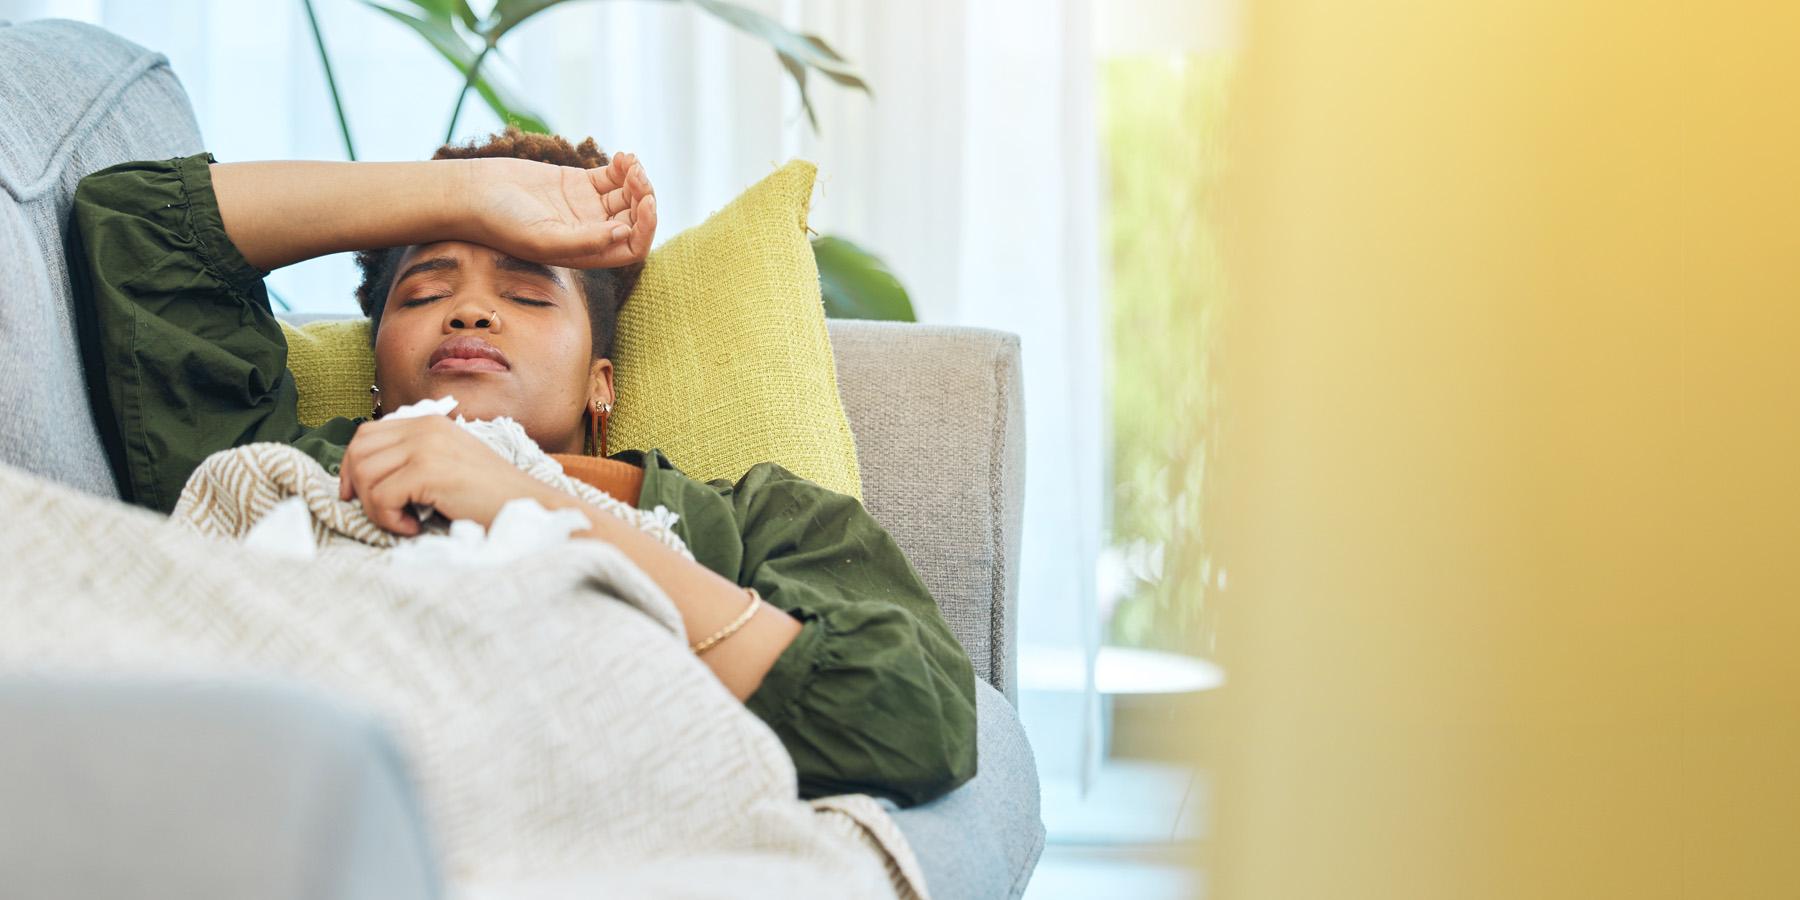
(421, 301)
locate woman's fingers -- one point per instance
(608, 177)
(605, 237)
(614, 201)
(643, 229)
(636, 247)
(386, 501)
(371, 438)
(613, 182)
(627, 211)
(372, 468)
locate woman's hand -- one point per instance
(563, 215)
(393, 464)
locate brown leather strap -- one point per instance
(621, 479)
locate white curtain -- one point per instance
(973, 171)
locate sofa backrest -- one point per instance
(74, 99)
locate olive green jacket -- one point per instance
(184, 358)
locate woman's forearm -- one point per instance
(284, 212)
(707, 602)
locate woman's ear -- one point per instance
(600, 382)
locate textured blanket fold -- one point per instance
(561, 731)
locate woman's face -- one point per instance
(505, 336)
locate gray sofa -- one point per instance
(151, 788)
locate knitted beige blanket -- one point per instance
(565, 739)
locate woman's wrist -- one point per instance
(600, 522)
(409, 203)
(707, 602)
(454, 215)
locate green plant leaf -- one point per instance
(797, 69)
(809, 49)
(438, 28)
(508, 14)
(430, 9)
(445, 11)
(797, 52)
(337, 99)
(845, 79)
(856, 284)
(466, 15)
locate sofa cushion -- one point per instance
(982, 840)
(73, 99)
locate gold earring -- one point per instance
(597, 425)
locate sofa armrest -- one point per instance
(983, 840)
(166, 787)
(938, 413)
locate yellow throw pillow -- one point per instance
(722, 358)
(333, 368)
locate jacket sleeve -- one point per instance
(874, 695)
(182, 353)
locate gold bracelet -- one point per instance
(723, 633)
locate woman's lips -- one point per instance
(467, 364)
(466, 353)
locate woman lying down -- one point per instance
(495, 274)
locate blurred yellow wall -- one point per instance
(1509, 484)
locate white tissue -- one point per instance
(439, 407)
(286, 531)
(522, 527)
